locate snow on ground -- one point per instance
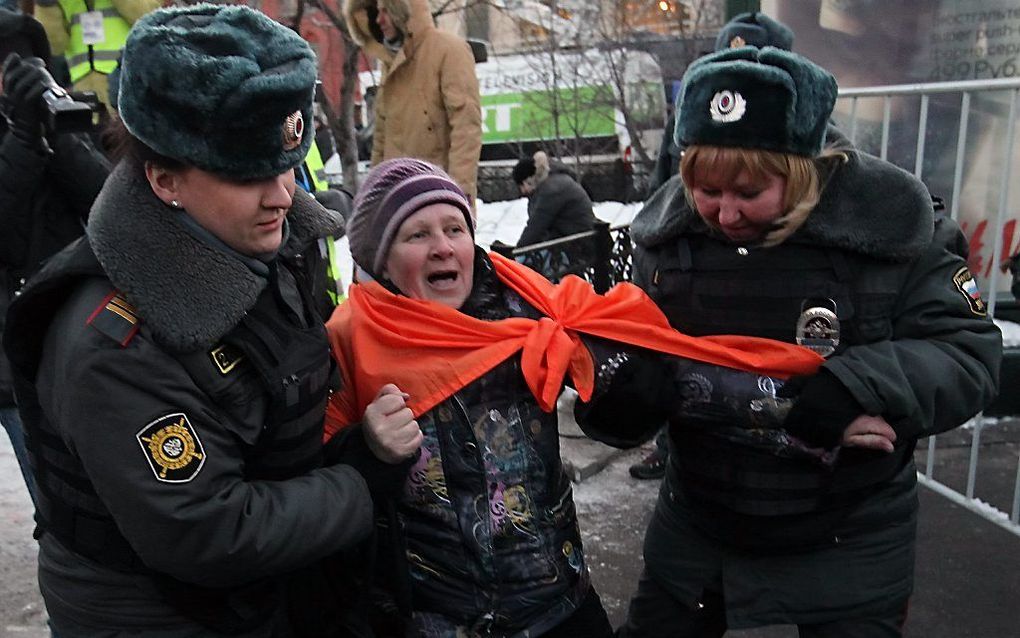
(504, 221)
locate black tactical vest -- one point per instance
(705, 286)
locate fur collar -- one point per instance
(188, 293)
(868, 206)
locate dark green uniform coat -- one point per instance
(786, 537)
(179, 487)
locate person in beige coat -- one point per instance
(428, 104)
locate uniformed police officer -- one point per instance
(172, 367)
(769, 234)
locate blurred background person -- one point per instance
(89, 36)
(558, 205)
(427, 105)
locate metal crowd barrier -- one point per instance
(603, 257)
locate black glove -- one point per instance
(25, 81)
(823, 410)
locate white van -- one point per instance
(579, 98)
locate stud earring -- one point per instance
(174, 203)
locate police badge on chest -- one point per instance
(818, 326)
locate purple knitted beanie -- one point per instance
(393, 191)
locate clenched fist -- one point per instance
(390, 429)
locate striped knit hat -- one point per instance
(393, 191)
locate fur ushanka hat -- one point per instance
(766, 99)
(222, 88)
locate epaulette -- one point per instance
(115, 318)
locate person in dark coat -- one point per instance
(47, 185)
(557, 204)
(773, 232)
(172, 367)
(466, 352)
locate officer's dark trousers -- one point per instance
(654, 613)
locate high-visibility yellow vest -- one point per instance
(327, 249)
(102, 57)
(316, 168)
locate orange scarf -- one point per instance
(431, 351)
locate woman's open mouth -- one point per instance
(443, 279)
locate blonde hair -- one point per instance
(804, 181)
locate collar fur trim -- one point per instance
(188, 293)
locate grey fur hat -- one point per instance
(766, 99)
(222, 88)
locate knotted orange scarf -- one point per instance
(431, 351)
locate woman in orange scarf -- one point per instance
(452, 360)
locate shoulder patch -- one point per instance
(966, 286)
(172, 448)
(226, 358)
(115, 318)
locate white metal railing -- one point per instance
(966, 498)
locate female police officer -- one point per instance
(770, 235)
(173, 368)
